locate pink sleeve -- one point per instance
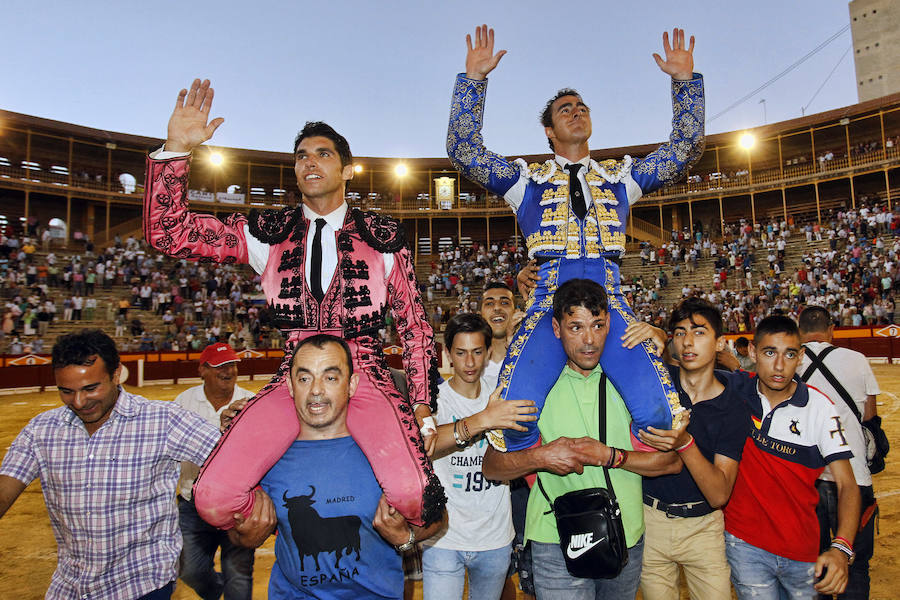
(416, 335)
(170, 228)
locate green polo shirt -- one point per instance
(572, 409)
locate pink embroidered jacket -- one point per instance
(356, 302)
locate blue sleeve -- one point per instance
(465, 146)
(668, 163)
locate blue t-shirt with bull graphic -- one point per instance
(325, 497)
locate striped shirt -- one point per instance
(111, 495)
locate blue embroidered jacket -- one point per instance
(539, 192)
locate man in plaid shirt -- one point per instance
(108, 462)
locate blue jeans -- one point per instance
(553, 582)
(201, 540)
(761, 575)
(444, 573)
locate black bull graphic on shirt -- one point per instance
(313, 534)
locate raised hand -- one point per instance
(679, 63)
(188, 126)
(640, 331)
(667, 439)
(235, 407)
(528, 278)
(507, 414)
(480, 59)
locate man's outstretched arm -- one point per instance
(168, 225)
(671, 160)
(465, 146)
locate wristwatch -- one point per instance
(409, 543)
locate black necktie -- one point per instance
(576, 196)
(315, 269)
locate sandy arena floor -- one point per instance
(28, 549)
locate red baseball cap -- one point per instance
(219, 354)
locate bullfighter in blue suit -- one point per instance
(573, 238)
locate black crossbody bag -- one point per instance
(877, 444)
(589, 522)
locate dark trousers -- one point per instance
(201, 540)
(863, 544)
(163, 593)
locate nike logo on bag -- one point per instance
(581, 543)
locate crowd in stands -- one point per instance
(823, 157)
(196, 304)
(192, 305)
(461, 272)
(855, 277)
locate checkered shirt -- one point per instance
(111, 496)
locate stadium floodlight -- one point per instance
(747, 141)
(357, 168)
(216, 158)
(401, 170)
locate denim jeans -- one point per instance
(444, 573)
(761, 575)
(553, 582)
(864, 544)
(201, 540)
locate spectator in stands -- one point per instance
(77, 306)
(137, 328)
(44, 317)
(742, 354)
(129, 557)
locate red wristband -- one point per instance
(838, 538)
(686, 446)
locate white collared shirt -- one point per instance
(584, 162)
(194, 400)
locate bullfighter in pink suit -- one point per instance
(326, 268)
